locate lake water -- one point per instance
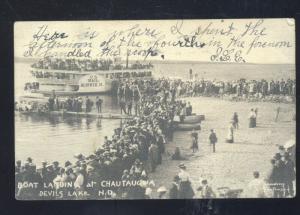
(57, 138)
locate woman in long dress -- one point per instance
(252, 119)
(185, 188)
(230, 138)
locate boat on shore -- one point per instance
(186, 127)
(193, 119)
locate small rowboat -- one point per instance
(193, 119)
(187, 127)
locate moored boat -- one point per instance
(193, 119)
(187, 127)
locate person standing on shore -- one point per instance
(277, 114)
(182, 113)
(256, 188)
(235, 120)
(185, 189)
(252, 119)
(213, 139)
(195, 145)
(230, 137)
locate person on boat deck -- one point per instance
(79, 103)
(252, 119)
(230, 137)
(123, 106)
(56, 103)
(99, 102)
(213, 139)
(88, 105)
(129, 107)
(51, 103)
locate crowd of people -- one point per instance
(73, 64)
(136, 149)
(131, 153)
(242, 87)
(279, 182)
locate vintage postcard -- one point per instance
(156, 109)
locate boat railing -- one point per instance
(54, 80)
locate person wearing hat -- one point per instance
(79, 156)
(174, 190)
(68, 163)
(162, 192)
(29, 160)
(289, 175)
(44, 170)
(185, 189)
(56, 168)
(281, 150)
(206, 190)
(278, 176)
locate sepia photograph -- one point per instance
(155, 109)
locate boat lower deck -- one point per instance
(80, 114)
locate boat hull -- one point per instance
(193, 119)
(187, 127)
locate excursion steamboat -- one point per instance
(89, 79)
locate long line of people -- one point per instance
(134, 150)
(240, 89)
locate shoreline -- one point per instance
(246, 155)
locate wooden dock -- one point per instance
(80, 114)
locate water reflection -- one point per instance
(48, 137)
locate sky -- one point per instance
(165, 34)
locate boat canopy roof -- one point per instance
(98, 72)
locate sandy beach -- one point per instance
(233, 164)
